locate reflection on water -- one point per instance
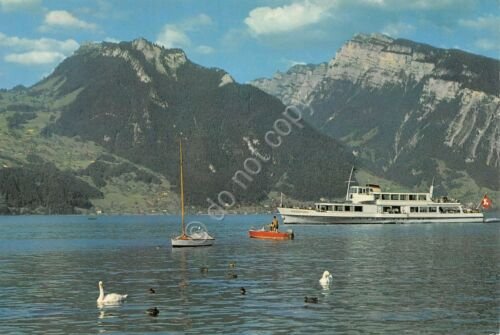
(413, 279)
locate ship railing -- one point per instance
(471, 210)
(445, 200)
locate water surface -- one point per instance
(387, 279)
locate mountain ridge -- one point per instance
(393, 100)
(104, 129)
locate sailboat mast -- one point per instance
(182, 191)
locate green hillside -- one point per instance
(107, 123)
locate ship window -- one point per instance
(403, 197)
(453, 210)
(358, 208)
(377, 196)
(421, 197)
(413, 197)
(339, 208)
(423, 209)
(387, 209)
(413, 209)
(432, 209)
(328, 208)
(385, 196)
(347, 208)
(394, 197)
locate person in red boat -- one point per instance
(274, 224)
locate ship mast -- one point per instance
(182, 192)
(349, 184)
(431, 189)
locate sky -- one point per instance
(248, 39)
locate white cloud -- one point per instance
(294, 62)
(35, 57)
(195, 22)
(484, 22)
(173, 37)
(204, 49)
(398, 29)
(487, 44)
(413, 4)
(380, 3)
(267, 20)
(111, 40)
(290, 62)
(36, 51)
(13, 5)
(432, 4)
(64, 19)
(42, 44)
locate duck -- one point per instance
(183, 284)
(311, 300)
(232, 264)
(153, 311)
(231, 276)
(243, 291)
(204, 269)
(152, 290)
(326, 279)
(109, 299)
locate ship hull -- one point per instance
(304, 216)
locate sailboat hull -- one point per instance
(191, 242)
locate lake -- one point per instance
(387, 279)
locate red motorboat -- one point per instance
(271, 235)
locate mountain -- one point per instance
(409, 111)
(111, 117)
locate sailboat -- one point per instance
(196, 239)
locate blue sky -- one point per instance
(249, 39)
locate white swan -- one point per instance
(326, 279)
(109, 299)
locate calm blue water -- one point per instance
(387, 279)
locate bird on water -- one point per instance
(153, 311)
(311, 300)
(111, 298)
(326, 279)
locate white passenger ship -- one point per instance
(368, 204)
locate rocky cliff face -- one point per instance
(408, 110)
(296, 85)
